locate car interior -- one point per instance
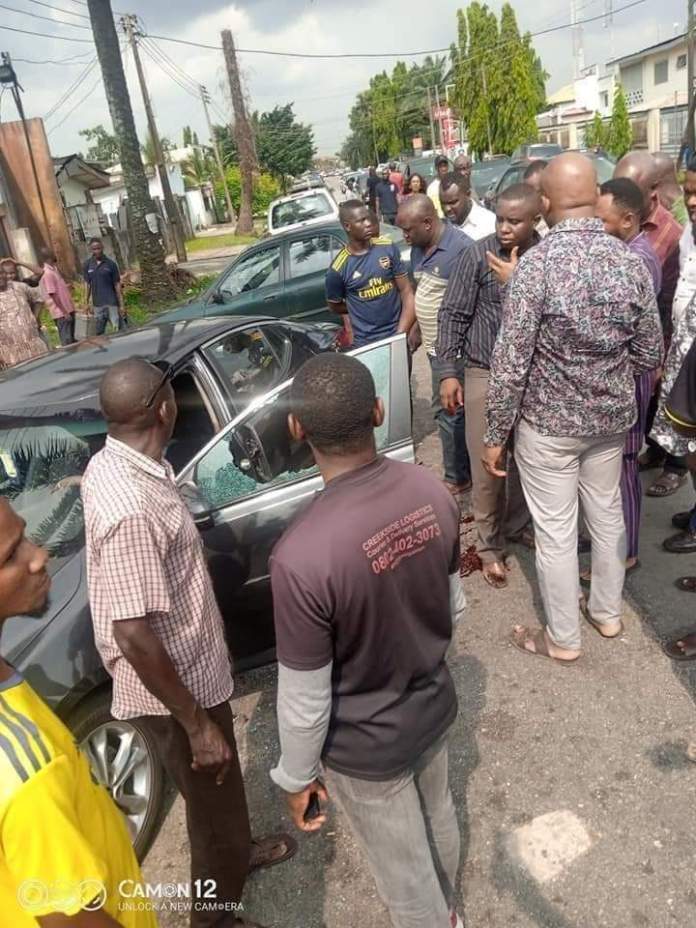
(196, 421)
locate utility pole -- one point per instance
(172, 207)
(243, 136)
(488, 118)
(440, 139)
(688, 140)
(433, 142)
(218, 158)
(8, 76)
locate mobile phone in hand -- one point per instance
(313, 808)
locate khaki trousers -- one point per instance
(555, 471)
(499, 505)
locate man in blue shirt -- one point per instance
(368, 280)
(104, 292)
(387, 198)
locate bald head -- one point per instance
(132, 403)
(569, 187)
(642, 169)
(668, 189)
(418, 220)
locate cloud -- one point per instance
(323, 90)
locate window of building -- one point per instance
(662, 71)
(639, 126)
(604, 96)
(681, 62)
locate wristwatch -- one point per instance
(691, 445)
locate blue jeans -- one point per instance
(104, 314)
(455, 457)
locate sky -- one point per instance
(322, 90)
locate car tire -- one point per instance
(139, 783)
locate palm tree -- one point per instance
(198, 168)
(157, 283)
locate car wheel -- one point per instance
(123, 758)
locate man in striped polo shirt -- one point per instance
(435, 248)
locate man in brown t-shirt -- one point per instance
(365, 588)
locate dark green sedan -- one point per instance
(282, 276)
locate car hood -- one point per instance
(194, 310)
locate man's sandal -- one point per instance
(522, 636)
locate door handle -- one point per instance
(269, 299)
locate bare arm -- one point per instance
(408, 304)
(99, 919)
(119, 296)
(33, 269)
(149, 658)
(339, 308)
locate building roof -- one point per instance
(651, 49)
(87, 172)
(565, 94)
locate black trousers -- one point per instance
(216, 816)
(66, 329)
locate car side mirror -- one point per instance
(197, 506)
(218, 298)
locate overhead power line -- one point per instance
(72, 60)
(47, 19)
(60, 9)
(79, 80)
(46, 35)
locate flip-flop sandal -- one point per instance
(666, 485)
(676, 653)
(686, 584)
(586, 575)
(521, 635)
(266, 845)
(495, 580)
(585, 609)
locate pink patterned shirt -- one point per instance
(53, 286)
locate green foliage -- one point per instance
(266, 188)
(189, 137)
(198, 169)
(597, 133)
(227, 145)
(499, 80)
(103, 146)
(148, 149)
(284, 146)
(620, 136)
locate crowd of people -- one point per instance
(554, 330)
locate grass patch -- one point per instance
(214, 242)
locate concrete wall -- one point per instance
(73, 191)
(21, 189)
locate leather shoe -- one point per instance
(681, 520)
(683, 543)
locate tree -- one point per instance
(198, 169)
(266, 189)
(103, 147)
(148, 150)
(284, 146)
(189, 138)
(596, 133)
(227, 145)
(620, 137)
(157, 284)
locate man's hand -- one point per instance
(211, 752)
(122, 311)
(451, 394)
(298, 802)
(503, 269)
(415, 339)
(493, 460)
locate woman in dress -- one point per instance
(19, 331)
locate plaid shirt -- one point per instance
(145, 558)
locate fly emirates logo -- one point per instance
(376, 287)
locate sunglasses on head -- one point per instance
(166, 371)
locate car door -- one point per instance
(253, 285)
(308, 259)
(252, 480)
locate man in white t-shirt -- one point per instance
(686, 286)
(462, 211)
(442, 167)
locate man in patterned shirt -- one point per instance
(579, 320)
(159, 630)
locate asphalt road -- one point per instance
(574, 793)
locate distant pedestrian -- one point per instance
(461, 209)
(620, 207)
(104, 293)
(57, 299)
(363, 621)
(372, 181)
(462, 165)
(579, 320)
(532, 177)
(668, 189)
(159, 631)
(368, 281)
(468, 326)
(66, 849)
(387, 198)
(663, 232)
(20, 337)
(415, 184)
(442, 167)
(435, 249)
(396, 177)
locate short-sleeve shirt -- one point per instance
(432, 272)
(145, 558)
(361, 579)
(52, 284)
(367, 284)
(63, 841)
(387, 194)
(101, 277)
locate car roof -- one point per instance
(70, 376)
(330, 224)
(300, 195)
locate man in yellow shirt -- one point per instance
(64, 846)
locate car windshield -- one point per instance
(605, 168)
(483, 173)
(42, 459)
(300, 210)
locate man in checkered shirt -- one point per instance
(160, 633)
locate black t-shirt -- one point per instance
(387, 196)
(101, 277)
(361, 578)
